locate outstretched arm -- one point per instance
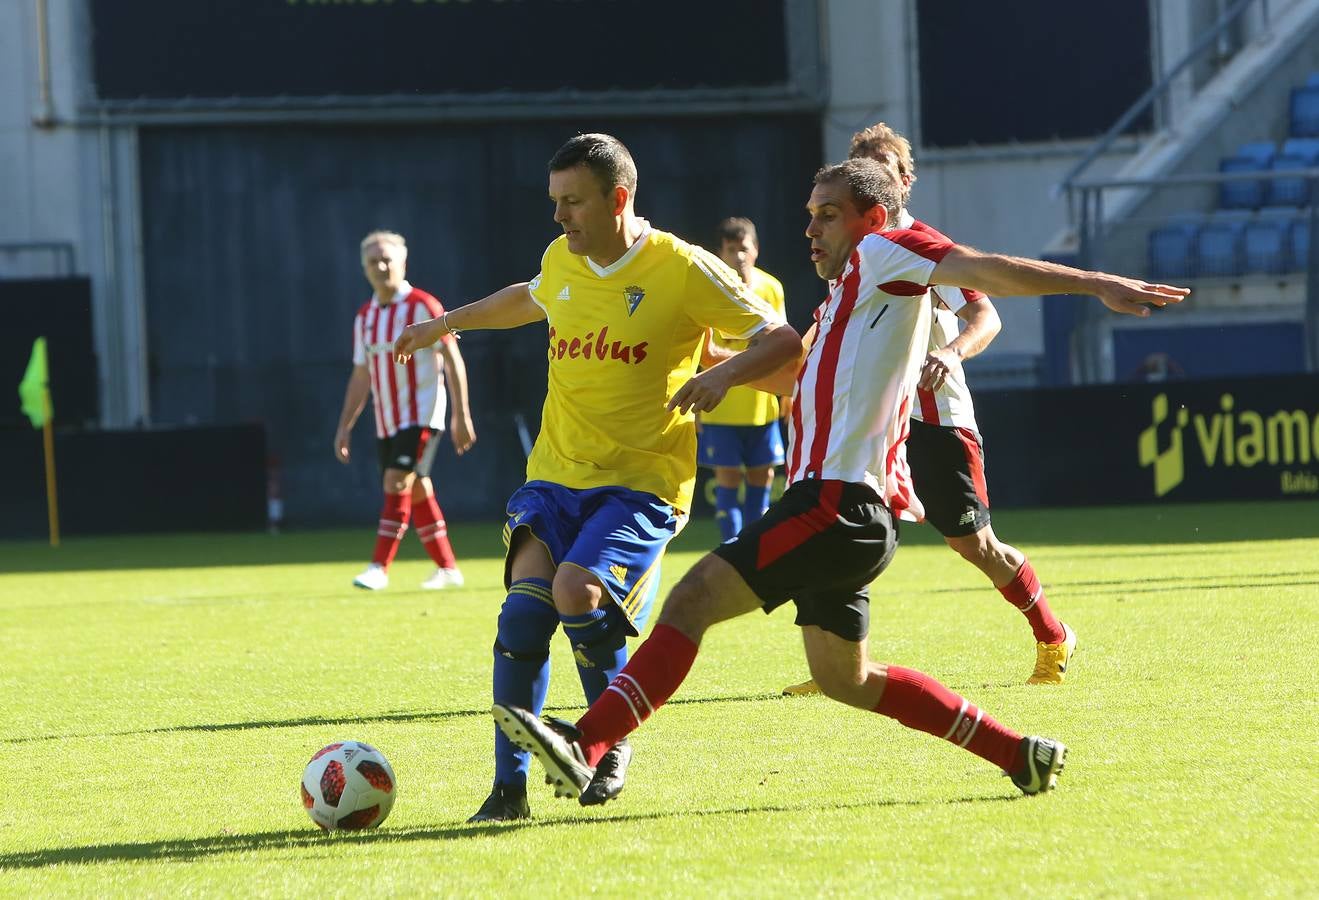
(1003, 276)
(982, 325)
(774, 347)
(506, 308)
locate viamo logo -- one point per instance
(1231, 437)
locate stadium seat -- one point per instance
(1241, 194)
(1266, 242)
(1287, 191)
(1313, 80)
(1300, 243)
(1218, 246)
(1306, 148)
(1305, 111)
(1172, 250)
(1262, 151)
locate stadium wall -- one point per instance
(250, 318)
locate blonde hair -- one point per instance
(384, 237)
(882, 140)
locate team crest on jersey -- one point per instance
(633, 295)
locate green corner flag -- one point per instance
(32, 392)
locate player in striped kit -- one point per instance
(944, 449)
(410, 405)
(832, 532)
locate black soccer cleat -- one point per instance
(1044, 761)
(565, 765)
(506, 803)
(610, 774)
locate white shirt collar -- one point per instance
(606, 271)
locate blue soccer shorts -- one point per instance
(735, 446)
(616, 534)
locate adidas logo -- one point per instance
(619, 572)
(1043, 753)
(563, 294)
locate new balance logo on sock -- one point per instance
(563, 294)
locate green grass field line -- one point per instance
(160, 695)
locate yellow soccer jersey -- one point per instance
(622, 340)
(744, 405)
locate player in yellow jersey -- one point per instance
(740, 437)
(611, 475)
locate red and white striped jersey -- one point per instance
(852, 402)
(950, 405)
(404, 395)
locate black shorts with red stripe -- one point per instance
(948, 473)
(409, 449)
(820, 545)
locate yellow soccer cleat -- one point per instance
(1051, 660)
(801, 690)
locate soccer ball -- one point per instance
(348, 785)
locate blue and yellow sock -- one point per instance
(599, 645)
(527, 622)
(727, 512)
(754, 503)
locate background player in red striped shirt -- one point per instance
(410, 405)
(944, 449)
(832, 533)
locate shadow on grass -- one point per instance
(309, 838)
(435, 716)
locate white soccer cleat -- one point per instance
(443, 578)
(373, 579)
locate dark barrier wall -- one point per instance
(1242, 439)
(60, 310)
(113, 482)
(253, 276)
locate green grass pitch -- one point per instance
(161, 696)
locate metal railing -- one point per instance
(1157, 92)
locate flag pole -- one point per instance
(48, 440)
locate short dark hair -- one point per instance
(606, 157)
(869, 182)
(734, 228)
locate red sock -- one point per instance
(646, 682)
(428, 519)
(393, 522)
(1024, 592)
(918, 701)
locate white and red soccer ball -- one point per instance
(349, 786)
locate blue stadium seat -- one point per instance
(1219, 246)
(1313, 80)
(1305, 111)
(1262, 151)
(1172, 250)
(1306, 148)
(1266, 242)
(1287, 191)
(1241, 194)
(1300, 235)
